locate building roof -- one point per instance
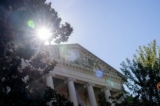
(84, 53)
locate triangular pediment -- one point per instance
(77, 55)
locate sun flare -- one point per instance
(44, 33)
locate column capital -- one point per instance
(88, 84)
(68, 79)
(106, 88)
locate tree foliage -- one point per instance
(22, 66)
(15, 16)
(102, 101)
(143, 74)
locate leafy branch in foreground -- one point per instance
(23, 61)
(143, 74)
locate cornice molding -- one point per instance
(83, 69)
(108, 70)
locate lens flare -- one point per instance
(110, 82)
(69, 55)
(99, 73)
(44, 33)
(72, 55)
(31, 23)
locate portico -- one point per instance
(74, 75)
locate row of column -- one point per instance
(72, 91)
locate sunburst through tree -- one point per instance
(23, 62)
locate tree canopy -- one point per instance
(143, 74)
(20, 19)
(22, 66)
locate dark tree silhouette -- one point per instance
(22, 66)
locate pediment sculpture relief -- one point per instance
(75, 56)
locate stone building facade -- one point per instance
(81, 76)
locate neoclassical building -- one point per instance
(81, 76)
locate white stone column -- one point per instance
(72, 91)
(107, 95)
(49, 81)
(91, 94)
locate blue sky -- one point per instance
(111, 29)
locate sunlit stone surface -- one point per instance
(89, 76)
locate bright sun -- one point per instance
(44, 33)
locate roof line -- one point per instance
(95, 56)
